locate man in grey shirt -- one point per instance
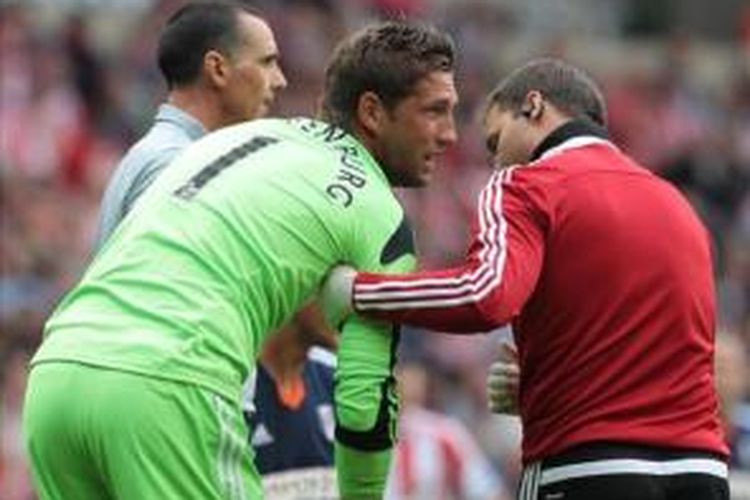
(220, 63)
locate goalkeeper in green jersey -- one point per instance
(135, 392)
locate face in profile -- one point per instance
(418, 130)
(508, 137)
(255, 76)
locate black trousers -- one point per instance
(608, 471)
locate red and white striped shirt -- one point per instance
(605, 272)
(436, 458)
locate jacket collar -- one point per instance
(575, 133)
(185, 121)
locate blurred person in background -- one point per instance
(225, 245)
(616, 390)
(14, 476)
(732, 384)
(290, 412)
(436, 457)
(221, 66)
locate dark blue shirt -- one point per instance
(285, 438)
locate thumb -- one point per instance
(508, 352)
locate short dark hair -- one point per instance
(388, 59)
(192, 31)
(568, 88)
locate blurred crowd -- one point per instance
(78, 84)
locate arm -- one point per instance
(366, 408)
(365, 389)
(488, 290)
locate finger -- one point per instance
(508, 369)
(499, 406)
(504, 406)
(498, 410)
(503, 367)
(503, 380)
(498, 385)
(508, 352)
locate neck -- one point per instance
(199, 103)
(371, 145)
(364, 138)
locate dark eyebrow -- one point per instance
(441, 104)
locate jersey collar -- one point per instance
(573, 134)
(187, 122)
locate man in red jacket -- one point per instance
(605, 273)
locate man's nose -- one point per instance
(279, 81)
(448, 134)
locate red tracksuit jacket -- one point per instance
(605, 272)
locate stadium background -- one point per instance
(78, 84)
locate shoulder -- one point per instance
(583, 156)
(153, 150)
(163, 135)
(518, 180)
(138, 166)
(355, 184)
(559, 165)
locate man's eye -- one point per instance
(438, 108)
(269, 61)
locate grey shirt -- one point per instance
(173, 131)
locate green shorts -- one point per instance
(96, 433)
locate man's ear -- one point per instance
(370, 112)
(533, 106)
(216, 69)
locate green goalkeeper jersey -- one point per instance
(232, 239)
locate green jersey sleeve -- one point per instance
(367, 229)
(365, 389)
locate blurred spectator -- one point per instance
(436, 457)
(14, 473)
(732, 383)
